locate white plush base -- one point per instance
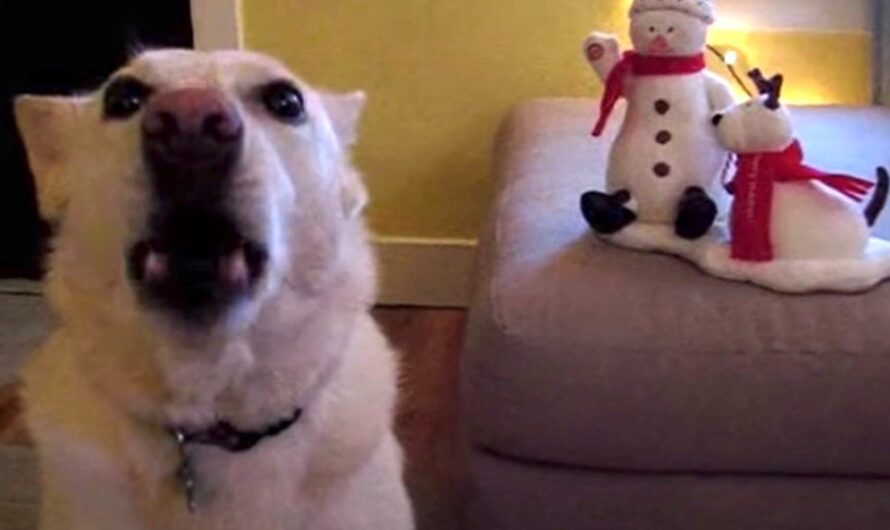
(711, 254)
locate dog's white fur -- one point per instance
(810, 221)
(101, 391)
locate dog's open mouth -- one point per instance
(195, 263)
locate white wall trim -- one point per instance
(425, 272)
(217, 24)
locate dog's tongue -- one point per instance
(157, 267)
(233, 269)
(230, 270)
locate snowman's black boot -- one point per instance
(696, 214)
(607, 214)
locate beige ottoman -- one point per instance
(607, 389)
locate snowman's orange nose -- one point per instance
(659, 45)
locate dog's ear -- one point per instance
(49, 128)
(354, 194)
(345, 111)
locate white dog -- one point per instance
(216, 366)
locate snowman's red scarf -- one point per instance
(641, 66)
(753, 188)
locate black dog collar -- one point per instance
(227, 437)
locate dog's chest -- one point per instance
(262, 488)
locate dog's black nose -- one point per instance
(191, 124)
(717, 119)
(191, 139)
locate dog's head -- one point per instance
(198, 184)
(761, 125)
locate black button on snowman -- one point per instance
(666, 165)
(662, 169)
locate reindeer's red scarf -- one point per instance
(753, 187)
(641, 65)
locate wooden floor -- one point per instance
(430, 343)
(12, 430)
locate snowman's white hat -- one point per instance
(701, 9)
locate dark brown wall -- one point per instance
(62, 46)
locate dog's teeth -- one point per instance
(233, 269)
(155, 267)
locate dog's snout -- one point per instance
(192, 141)
(191, 126)
(717, 119)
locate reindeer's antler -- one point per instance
(772, 88)
(763, 84)
(778, 81)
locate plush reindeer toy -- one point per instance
(784, 209)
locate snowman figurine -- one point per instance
(666, 165)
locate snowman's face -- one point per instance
(754, 127)
(668, 33)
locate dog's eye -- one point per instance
(284, 101)
(124, 97)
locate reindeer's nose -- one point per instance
(191, 126)
(717, 119)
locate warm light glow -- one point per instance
(734, 23)
(807, 96)
(731, 57)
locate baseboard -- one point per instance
(425, 272)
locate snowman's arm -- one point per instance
(719, 93)
(602, 52)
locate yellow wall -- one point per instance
(442, 73)
(820, 68)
